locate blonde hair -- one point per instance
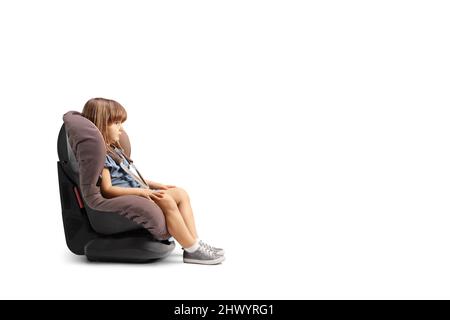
(104, 112)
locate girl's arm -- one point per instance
(157, 185)
(110, 191)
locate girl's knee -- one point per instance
(168, 204)
(182, 193)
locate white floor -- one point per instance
(289, 268)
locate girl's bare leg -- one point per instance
(177, 227)
(188, 216)
(184, 205)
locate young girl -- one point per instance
(118, 178)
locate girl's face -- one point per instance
(114, 131)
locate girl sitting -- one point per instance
(120, 177)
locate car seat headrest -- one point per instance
(80, 129)
(87, 145)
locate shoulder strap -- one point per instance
(139, 179)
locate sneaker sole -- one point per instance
(215, 261)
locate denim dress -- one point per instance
(120, 177)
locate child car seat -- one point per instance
(125, 228)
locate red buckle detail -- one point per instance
(77, 194)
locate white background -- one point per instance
(312, 137)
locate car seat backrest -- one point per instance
(72, 160)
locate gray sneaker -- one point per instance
(202, 256)
(219, 251)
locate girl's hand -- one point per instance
(163, 200)
(146, 193)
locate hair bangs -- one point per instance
(117, 112)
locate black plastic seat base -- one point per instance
(127, 249)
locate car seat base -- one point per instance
(128, 249)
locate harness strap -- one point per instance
(139, 180)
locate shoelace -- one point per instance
(211, 248)
(208, 251)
